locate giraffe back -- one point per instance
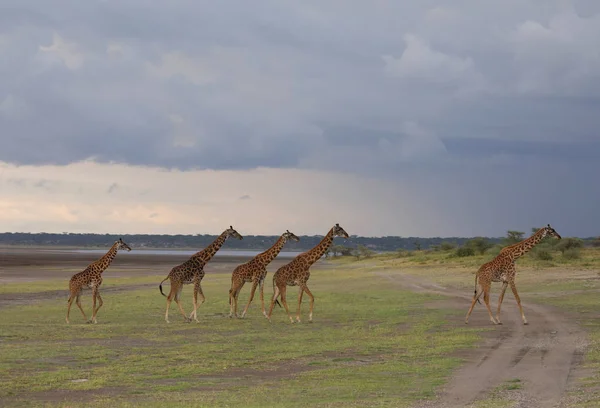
(188, 271)
(250, 270)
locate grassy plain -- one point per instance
(370, 345)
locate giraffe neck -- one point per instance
(317, 252)
(105, 261)
(207, 253)
(519, 249)
(266, 257)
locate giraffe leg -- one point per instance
(100, 302)
(94, 295)
(262, 296)
(178, 301)
(254, 285)
(236, 297)
(311, 304)
(276, 293)
(475, 298)
(231, 297)
(486, 300)
(500, 299)
(300, 293)
(518, 299)
(78, 302)
(172, 294)
(197, 291)
(69, 303)
(283, 300)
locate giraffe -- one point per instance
(502, 269)
(255, 271)
(296, 273)
(91, 277)
(192, 271)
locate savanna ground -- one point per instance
(387, 331)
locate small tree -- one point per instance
(512, 237)
(417, 244)
(364, 251)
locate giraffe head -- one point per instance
(230, 232)
(551, 232)
(339, 232)
(287, 235)
(123, 245)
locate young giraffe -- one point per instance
(255, 271)
(296, 273)
(91, 277)
(192, 271)
(502, 269)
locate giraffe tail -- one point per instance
(478, 301)
(160, 286)
(229, 296)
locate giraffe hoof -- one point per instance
(525, 323)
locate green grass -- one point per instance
(369, 345)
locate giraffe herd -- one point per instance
(295, 273)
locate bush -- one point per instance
(465, 251)
(495, 250)
(543, 254)
(566, 244)
(447, 246)
(571, 253)
(403, 253)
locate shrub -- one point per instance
(566, 244)
(495, 250)
(447, 246)
(465, 251)
(543, 254)
(403, 253)
(571, 253)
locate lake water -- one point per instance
(222, 252)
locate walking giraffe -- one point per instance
(502, 269)
(192, 271)
(255, 271)
(297, 273)
(91, 277)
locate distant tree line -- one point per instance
(546, 250)
(354, 246)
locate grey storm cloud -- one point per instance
(241, 85)
(493, 106)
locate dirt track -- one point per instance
(543, 355)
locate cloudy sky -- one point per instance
(429, 118)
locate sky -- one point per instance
(429, 118)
